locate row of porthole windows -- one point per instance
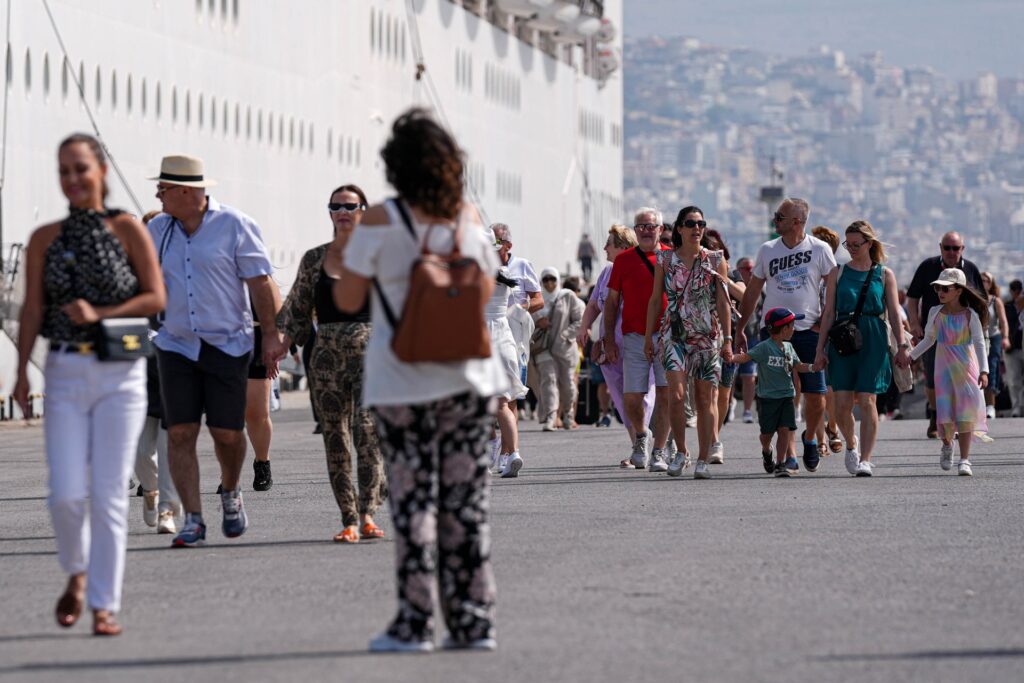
(476, 177)
(298, 134)
(616, 135)
(463, 70)
(387, 35)
(502, 87)
(211, 5)
(591, 126)
(510, 187)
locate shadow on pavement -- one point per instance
(926, 654)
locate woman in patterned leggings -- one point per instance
(434, 418)
(336, 371)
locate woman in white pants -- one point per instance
(94, 264)
(160, 502)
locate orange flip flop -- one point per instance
(371, 530)
(347, 535)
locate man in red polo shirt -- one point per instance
(632, 283)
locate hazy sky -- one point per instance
(958, 37)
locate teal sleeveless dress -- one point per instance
(868, 371)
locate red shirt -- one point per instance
(635, 284)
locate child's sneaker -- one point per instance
(852, 460)
(964, 470)
(946, 457)
(792, 465)
(748, 417)
(780, 470)
(768, 459)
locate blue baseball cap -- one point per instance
(777, 317)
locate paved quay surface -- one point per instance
(603, 574)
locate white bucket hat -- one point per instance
(181, 169)
(951, 276)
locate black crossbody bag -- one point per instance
(845, 335)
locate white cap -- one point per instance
(951, 276)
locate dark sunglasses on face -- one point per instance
(690, 223)
(943, 289)
(549, 279)
(951, 247)
(347, 207)
(646, 226)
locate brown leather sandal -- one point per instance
(104, 624)
(69, 608)
(371, 530)
(347, 535)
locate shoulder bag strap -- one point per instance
(863, 294)
(643, 257)
(389, 312)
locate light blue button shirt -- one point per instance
(205, 273)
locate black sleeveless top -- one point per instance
(326, 311)
(85, 261)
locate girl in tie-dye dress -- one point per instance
(956, 329)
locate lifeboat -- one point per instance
(578, 31)
(608, 62)
(557, 15)
(526, 9)
(607, 32)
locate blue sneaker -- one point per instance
(792, 466)
(192, 534)
(235, 521)
(605, 421)
(811, 457)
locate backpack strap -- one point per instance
(643, 257)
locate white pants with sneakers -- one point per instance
(152, 467)
(94, 415)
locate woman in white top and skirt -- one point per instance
(433, 419)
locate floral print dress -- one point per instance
(690, 331)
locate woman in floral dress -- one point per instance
(696, 324)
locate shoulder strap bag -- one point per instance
(443, 317)
(845, 335)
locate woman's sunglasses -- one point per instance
(347, 207)
(690, 223)
(943, 289)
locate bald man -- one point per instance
(921, 298)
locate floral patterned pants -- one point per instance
(336, 367)
(437, 464)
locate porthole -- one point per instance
(373, 29)
(200, 113)
(224, 10)
(46, 75)
(234, 10)
(64, 79)
(28, 71)
(128, 95)
(213, 113)
(113, 90)
(259, 125)
(358, 149)
(224, 120)
(311, 145)
(280, 131)
(188, 108)
(158, 101)
(81, 81)
(142, 97)
(291, 133)
(174, 104)
(99, 87)
(248, 123)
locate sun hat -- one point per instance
(777, 317)
(182, 169)
(951, 276)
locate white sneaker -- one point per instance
(166, 523)
(717, 455)
(691, 422)
(658, 463)
(732, 410)
(946, 457)
(494, 448)
(387, 643)
(964, 470)
(513, 464)
(748, 417)
(799, 414)
(680, 461)
(701, 471)
(503, 459)
(990, 412)
(150, 506)
(864, 469)
(639, 457)
(852, 460)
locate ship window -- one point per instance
(188, 108)
(373, 29)
(158, 100)
(330, 143)
(224, 120)
(238, 119)
(259, 126)
(224, 10)
(199, 6)
(270, 128)
(341, 148)
(113, 89)
(28, 70)
(64, 78)
(310, 148)
(46, 74)
(128, 94)
(280, 131)
(142, 97)
(200, 118)
(213, 10)
(81, 80)
(348, 152)
(291, 133)
(99, 87)
(234, 10)
(248, 123)
(380, 32)
(174, 104)
(403, 44)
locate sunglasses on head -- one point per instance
(347, 207)
(951, 247)
(690, 223)
(943, 288)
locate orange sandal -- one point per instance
(371, 530)
(347, 535)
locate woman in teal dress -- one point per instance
(859, 377)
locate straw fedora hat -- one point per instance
(181, 169)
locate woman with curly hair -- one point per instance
(434, 419)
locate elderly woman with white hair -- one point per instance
(555, 353)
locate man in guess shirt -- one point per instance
(790, 270)
(632, 282)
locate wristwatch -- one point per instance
(904, 345)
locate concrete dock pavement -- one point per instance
(603, 574)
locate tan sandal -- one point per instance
(104, 624)
(835, 444)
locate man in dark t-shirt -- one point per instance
(921, 298)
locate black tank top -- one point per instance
(326, 311)
(85, 261)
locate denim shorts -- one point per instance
(805, 343)
(749, 369)
(636, 369)
(728, 375)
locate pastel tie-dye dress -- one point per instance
(957, 395)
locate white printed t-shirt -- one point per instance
(792, 277)
(387, 252)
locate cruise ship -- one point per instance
(286, 100)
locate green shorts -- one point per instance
(776, 413)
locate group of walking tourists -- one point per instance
(427, 336)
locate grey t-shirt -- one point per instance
(775, 369)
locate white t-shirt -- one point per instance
(387, 253)
(522, 270)
(792, 277)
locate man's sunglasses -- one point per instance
(690, 223)
(942, 288)
(951, 247)
(347, 207)
(647, 226)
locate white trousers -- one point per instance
(94, 415)
(152, 467)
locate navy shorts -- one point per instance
(805, 343)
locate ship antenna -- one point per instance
(88, 109)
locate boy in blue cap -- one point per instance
(776, 362)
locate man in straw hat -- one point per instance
(210, 253)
